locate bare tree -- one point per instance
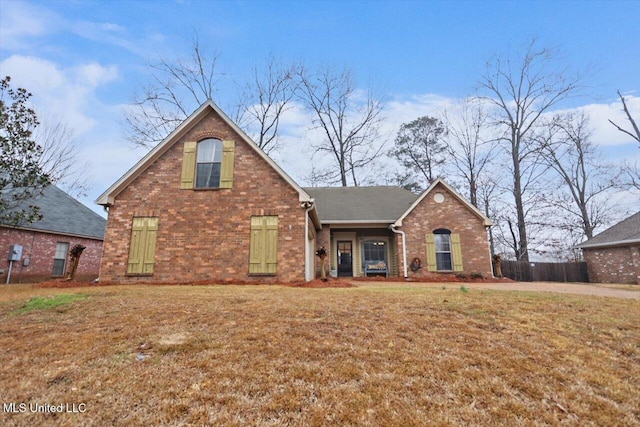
(570, 153)
(177, 88)
(522, 90)
(348, 120)
(486, 192)
(468, 147)
(635, 133)
(59, 157)
(420, 147)
(630, 171)
(267, 96)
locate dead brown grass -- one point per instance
(271, 355)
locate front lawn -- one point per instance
(271, 355)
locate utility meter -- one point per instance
(15, 252)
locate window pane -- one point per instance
(374, 251)
(217, 153)
(443, 261)
(58, 267)
(206, 150)
(442, 243)
(208, 175)
(61, 251)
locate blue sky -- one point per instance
(84, 59)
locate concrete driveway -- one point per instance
(615, 291)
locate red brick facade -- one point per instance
(613, 265)
(205, 234)
(450, 214)
(39, 248)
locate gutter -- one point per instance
(607, 244)
(404, 249)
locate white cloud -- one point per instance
(105, 32)
(67, 92)
(20, 21)
(600, 114)
(94, 74)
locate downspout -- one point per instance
(392, 227)
(307, 206)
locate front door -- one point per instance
(345, 263)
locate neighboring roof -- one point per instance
(487, 222)
(109, 195)
(623, 233)
(380, 204)
(62, 214)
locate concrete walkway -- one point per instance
(616, 291)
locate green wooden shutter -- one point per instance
(456, 253)
(188, 164)
(150, 246)
(256, 245)
(226, 168)
(263, 250)
(142, 248)
(271, 244)
(431, 253)
(134, 265)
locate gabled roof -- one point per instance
(108, 197)
(62, 214)
(623, 233)
(379, 204)
(486, 221)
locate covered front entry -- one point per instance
(363, 252)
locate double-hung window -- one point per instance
(60, 258)
(207, 163)
(443, 251)
(442, 240)
(209, 160)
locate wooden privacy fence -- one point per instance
(523, 271)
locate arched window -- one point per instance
(209, 158)
(442, 239)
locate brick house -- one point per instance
(207, 204)
(613, 256)
(45, 244)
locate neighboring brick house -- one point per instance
(207, 204)
(613, 256)
(45, 244)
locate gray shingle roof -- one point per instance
(626, 230)
(373, 204)
(64, 214)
